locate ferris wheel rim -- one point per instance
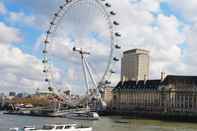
(62, 9)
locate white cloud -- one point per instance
(22, 18)
(160, 34)
(148, 5)
(72, 74)
(20, 71)
(41, 10)
(190, 53)
(3, 9)
(186, 8)
(9, 35)
(136, 19)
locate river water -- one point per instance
(113, 123)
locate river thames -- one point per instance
(113, 123)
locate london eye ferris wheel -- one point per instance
(82, 32)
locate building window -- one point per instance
(115, 97)
(67, 127)
(59, 127)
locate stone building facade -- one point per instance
(171, 94)
(107, 96)
(135, 65)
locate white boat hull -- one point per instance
(83, 116)
(85, 129)
(69, 127)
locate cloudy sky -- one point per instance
(167, 28)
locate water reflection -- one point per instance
(105, 124)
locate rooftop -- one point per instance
(149, 84)
(152, 84)
(137, 51)
(181, 77)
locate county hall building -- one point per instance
(136, 92)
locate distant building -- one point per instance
(23, 95)
(173, 94)
(43, 93)
(107, 97)
(12, 93)
(67, 92)
(135, 65)
(2, 94)
(2, 100)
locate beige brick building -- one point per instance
(136, 92)
(135, 65)
(107, 97)
(173, 94)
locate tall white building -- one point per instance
(135, 65)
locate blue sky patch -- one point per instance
(168, 10)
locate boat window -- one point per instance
(67, 127)
(46, 127)
(59, 127)
(81, 126)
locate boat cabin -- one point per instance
(54, 127)
(59, 127)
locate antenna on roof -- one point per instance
(145, 78)
(163, 76)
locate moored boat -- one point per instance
(83, 115)
(55, 127)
